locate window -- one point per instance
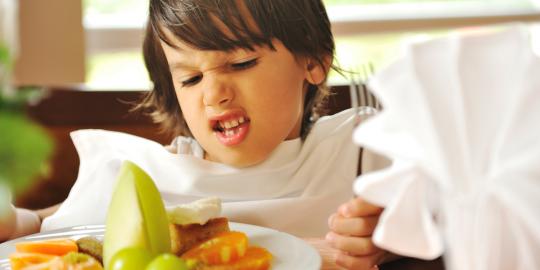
(366, 31)
(114, 38)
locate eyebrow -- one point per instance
(180, 64)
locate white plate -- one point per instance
(290, 253)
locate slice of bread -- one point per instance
(184, 237)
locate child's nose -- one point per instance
(217, 92)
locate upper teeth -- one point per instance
(232, 122)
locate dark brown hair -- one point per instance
(301, 25)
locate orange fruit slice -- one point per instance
(224, 248)
(20, 260)
(256, 258)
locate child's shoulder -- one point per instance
(337, 117)
(335, 120)
(342, 122)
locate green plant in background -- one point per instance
(24, 145)
(4, 55)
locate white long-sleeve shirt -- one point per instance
(295, 190)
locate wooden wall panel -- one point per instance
(51, 43)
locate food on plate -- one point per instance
(75, 261)
(193, 223)
(256, 258)
(201, 237)
(224, 248)
(92, 246)
(140, 233)
(185, 237)
(136, 216)
(167, 262)
(20, 260)
(37, 261)
(196, 212)
(229, 251)
(131, 258)
(58, 247)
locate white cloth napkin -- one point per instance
(295, 190)
(461, 123)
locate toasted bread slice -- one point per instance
(184, 237)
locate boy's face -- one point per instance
(239, 105)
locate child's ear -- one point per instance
(316, 72)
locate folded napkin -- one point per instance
(462, 126)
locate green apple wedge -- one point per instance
(136, 215)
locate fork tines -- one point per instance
(360, 94)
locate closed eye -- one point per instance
(245, 64)
(192, 81)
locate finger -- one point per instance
(362, 226)
(359, 262)
(360, 246)
(357, 207)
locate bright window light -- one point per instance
(114, 33)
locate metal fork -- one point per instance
(364, 103)
(362, 100)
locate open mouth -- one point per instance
(230, 126)
(231, 131)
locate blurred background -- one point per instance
(365, 30)
(84, 57)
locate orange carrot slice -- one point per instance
(58, 247)
(20, 260)
(224, 248)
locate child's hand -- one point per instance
(19, 222)
(8, 223)
(350, 232)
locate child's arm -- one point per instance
(350, 232)
(19, 222)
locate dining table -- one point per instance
(328, 253)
